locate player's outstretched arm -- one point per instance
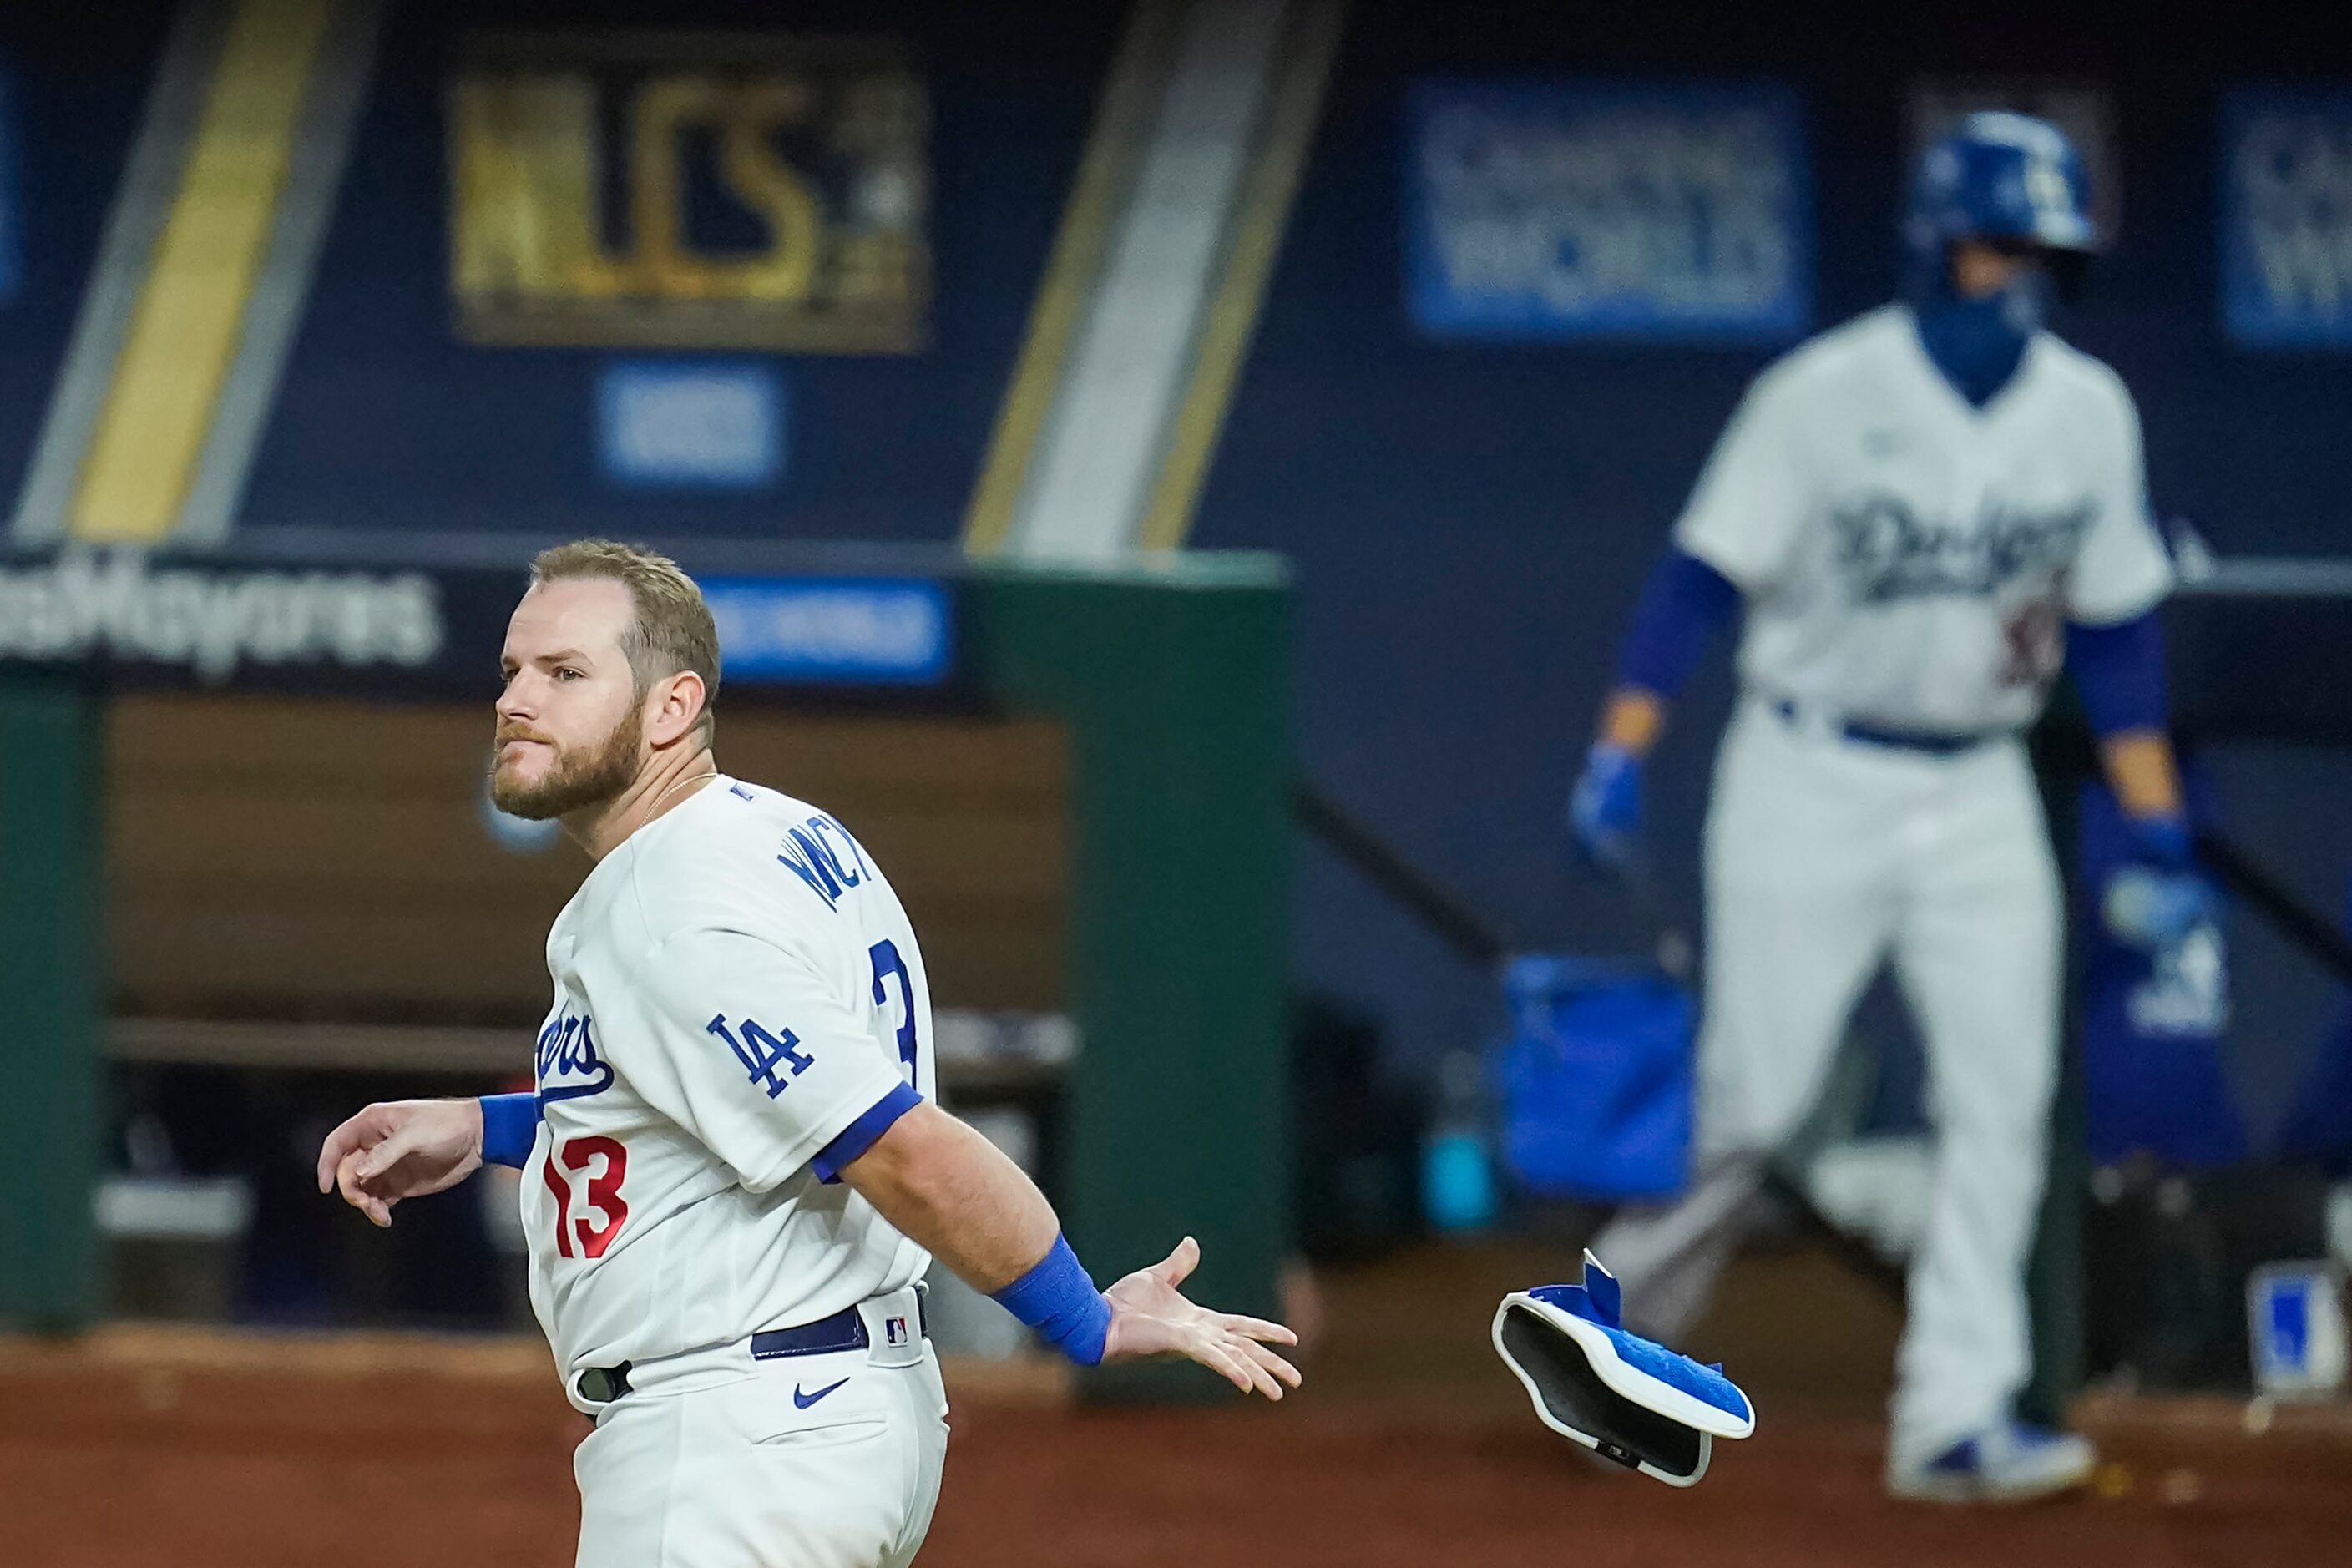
(400, 1149)
(1685, 600)
(954, 1192)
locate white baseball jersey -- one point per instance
(1910, 560)
(736, 986)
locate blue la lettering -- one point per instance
(764, 1056)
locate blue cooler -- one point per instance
(1595, 1079)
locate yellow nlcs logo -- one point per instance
(694, 191)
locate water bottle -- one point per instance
(1457, 1179)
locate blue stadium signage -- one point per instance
(1548, 210)
(335, 630)
(2286, 218)
(690, 424)
(823, 631)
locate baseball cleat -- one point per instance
(2013, 1462)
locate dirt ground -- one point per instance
(141, 1447)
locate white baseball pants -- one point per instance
(1825, 858)
(819, 1461)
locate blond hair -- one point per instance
(670, 627)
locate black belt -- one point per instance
(1933, 743)
(843, 1330)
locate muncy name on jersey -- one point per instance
(1887, 551)
(821, 853)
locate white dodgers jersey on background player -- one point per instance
(1910, 560)
(736, 985)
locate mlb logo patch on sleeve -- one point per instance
(894, 1331)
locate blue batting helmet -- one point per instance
(1997, 176)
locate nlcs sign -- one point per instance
(689, 190)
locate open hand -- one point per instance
(1148, 1316)
(400, 1149)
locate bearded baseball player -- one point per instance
(1923, 514)
(735, 1174)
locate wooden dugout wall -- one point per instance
(289, 857)
(1105, 829)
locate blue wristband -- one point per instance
(2164, 841)
(510, 1127)
(1059, 1301)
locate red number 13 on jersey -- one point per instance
(601, 1199)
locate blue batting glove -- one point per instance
(1604, 813)
(2158, 900)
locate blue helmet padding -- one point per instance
(1997, 175)
(1598, 1300)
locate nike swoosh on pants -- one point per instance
(804, 1400)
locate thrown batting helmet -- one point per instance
(1627, 1398)
(1997, 176)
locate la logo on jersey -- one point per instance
(1888, 552)
(567, 1065)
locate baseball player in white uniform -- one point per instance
(1923, 514)
(734, 1170)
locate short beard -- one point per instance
(580, 779)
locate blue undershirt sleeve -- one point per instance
(1684, 603)
(2120, 671)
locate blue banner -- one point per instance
(2286, 218)
(690, 424)
(851, 631)
(1546, 210)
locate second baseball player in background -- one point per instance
(1923, 514)
(734, 1173)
